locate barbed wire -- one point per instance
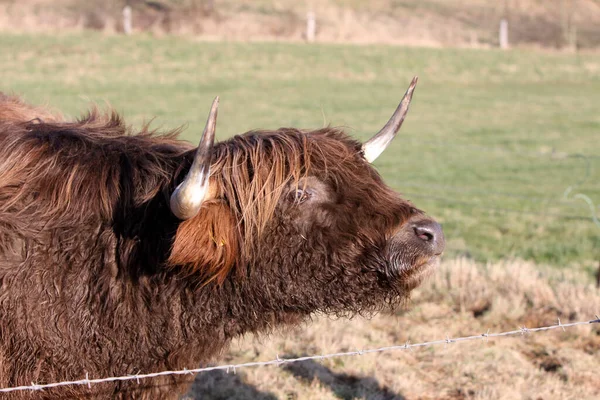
(280, 361)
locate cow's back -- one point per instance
(14, 109)
(74, 204)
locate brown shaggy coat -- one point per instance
(98, 277)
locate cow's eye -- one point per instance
(300, 196)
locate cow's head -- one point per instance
(301, 212)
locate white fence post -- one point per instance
(503, 34)
(127, 20)
(311, 26)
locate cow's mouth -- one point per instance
(414, 276)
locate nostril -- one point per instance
(430, 233)
(424, 233)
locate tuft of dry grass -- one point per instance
(462, 298)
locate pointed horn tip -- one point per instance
(409, 92)
(215, 104)
(412, 86)
(212, 115)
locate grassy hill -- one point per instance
(497, 144)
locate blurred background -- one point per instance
(501, 145)
(554, 24)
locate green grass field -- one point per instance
(492, 141)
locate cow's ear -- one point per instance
(207, 244)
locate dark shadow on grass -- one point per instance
(219, 385)
(344, 386)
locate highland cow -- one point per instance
(125, 252)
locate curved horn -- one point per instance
(187, 198)
(373, 147)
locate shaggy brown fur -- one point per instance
(98, 277)
(14, 109)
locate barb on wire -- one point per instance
(280, 361)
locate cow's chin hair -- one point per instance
(397, 290)
(391, 292)
(412, 277)
(385, 301)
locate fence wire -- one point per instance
(280, 361)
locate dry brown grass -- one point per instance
(463, 298)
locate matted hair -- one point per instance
(58, 172)
(250, 174)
